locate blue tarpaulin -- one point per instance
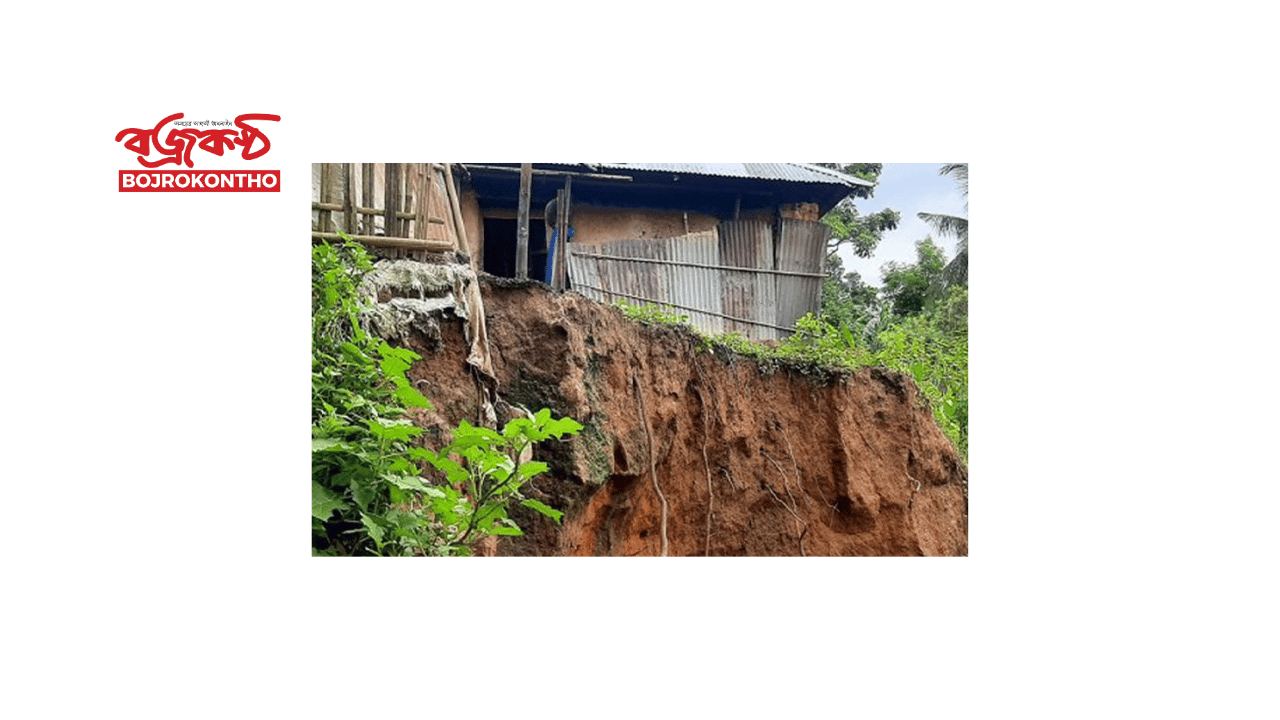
(551, 253)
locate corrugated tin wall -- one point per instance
(731, 279)
(748, 295)
(802, 248)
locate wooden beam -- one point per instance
(552, 173)
(362, 210)
(522, 222)
(391, 242)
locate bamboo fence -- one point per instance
(404, 209)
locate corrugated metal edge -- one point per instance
(792, 172)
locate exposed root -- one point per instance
(706, 462)
(728, 477)
(794, 464)
(653, 468)
(801, 527)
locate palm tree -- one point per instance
(957, 271)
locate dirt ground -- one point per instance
(732, 459)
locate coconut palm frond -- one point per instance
(959, 171)
(947, 225)
(957, 271)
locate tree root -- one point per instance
(800, 532)
(706, 462)
(653, 468)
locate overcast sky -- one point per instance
(908, 188)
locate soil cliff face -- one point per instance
(739, 461)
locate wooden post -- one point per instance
(367, 171)
(522, 222)
(456, 208)
(562, 225)
(348, 201)
(391, 196)
(325, 218)
(421, 196)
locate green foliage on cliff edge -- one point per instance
(932, 347)
(373, 490)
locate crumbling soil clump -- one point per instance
(697, 452)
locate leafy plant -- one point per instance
(932, 348)
(820, 343)
(939, 362)
(484, 473)
(651, 314)
(368, 495)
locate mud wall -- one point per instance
(748, 461)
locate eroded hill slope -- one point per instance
(747, 462)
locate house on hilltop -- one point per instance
(735, 246)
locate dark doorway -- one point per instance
(500, 248)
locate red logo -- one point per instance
(211, 136)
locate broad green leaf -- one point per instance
(505, 530)
(324, 501)
(364, 494)
(469, 441)
(405, 482)
(396, 430)
(496, 461)
(353, 352)
(467, 430)
(544, 509)
(395, 361)
(398, 497)
(453, 470)
(333, 444)
(376, 531)
(410, 396)
(563, 426)
(400, 465)
(529, 469)
(516, 427)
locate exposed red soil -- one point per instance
(749, 461)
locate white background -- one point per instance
(1123, 493)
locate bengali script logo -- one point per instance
(176, 146)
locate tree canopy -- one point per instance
(957, 271)
(861, 232)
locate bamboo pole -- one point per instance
(522, 222)
(420, 194)
(325, 218)
(390, 242)
(561, 255)
(391, 196)
(456, 208)
(367, 171)
(362, 210)
(348, 201)
(554, 173)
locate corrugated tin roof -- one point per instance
(794, 172)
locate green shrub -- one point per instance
(368, 493)
(651, 314)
